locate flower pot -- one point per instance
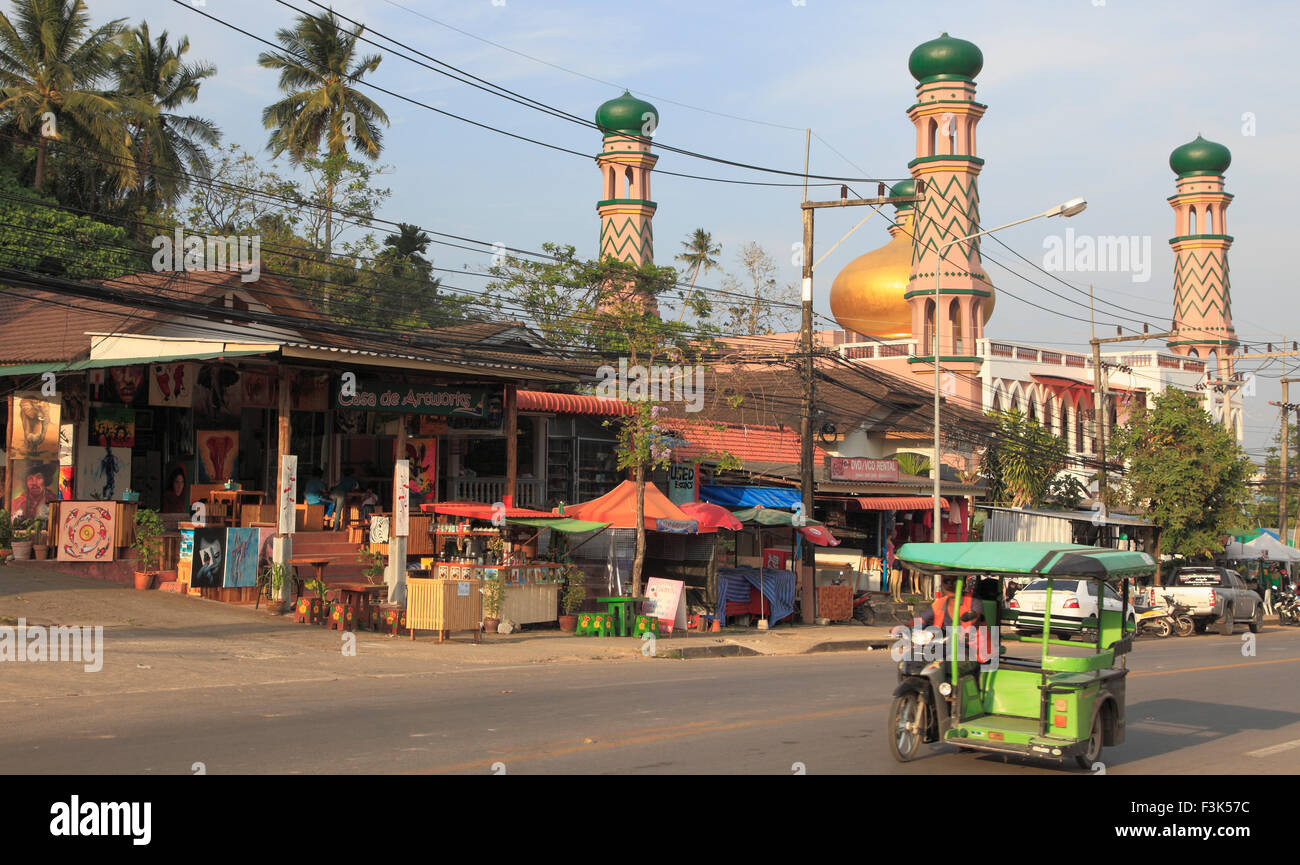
(41, 551)
(22, 550)
(490, 624)
(144, 580)
(568, 623)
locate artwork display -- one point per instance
(217, 396)
(402, 499)
(379, 530)
(241, 558)
(176, 488)
(111, 426)
(35, 486)
(171, 384)
(120, 385)
(258, 389)
(265, 547)
(218, 450)
(286, 510)
(209, 569)
(423, 457)
(105, 473)
(66, 474)
(85, 532)
(309, 391)
(33, 427)
(66, 433)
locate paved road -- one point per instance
(1195, 705)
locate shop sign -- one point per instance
(441, 400)
(682, 483)
(863, 469)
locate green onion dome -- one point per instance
(903, 187)
(627, 115)
(945, 56)
(1200, 157)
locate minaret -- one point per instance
(945, 115)
(625, 162)
(1202, 305)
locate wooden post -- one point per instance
(512, 443)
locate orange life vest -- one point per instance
(981, 642)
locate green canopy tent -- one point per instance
(771, 518)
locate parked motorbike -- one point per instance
(1183, 624)
(862, 609)
(1155, 621)
(1288, 608)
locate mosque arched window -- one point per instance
(930, 127)
(928, 336)
(611, 188)
(1209, 221)
(1191, 220)
(629, 186)
(954, 321)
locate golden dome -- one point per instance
(867, 295)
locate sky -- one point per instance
(1085, 98)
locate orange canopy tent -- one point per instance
(618, 508)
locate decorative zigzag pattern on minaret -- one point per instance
(1201, 286)
(627, 238)
(950, 209)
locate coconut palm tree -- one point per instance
(408, 245)
(166, 146)
(52, 68)
(319, 73)
(698, 251)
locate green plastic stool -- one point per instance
(607, 625)
(646, 625)
(587, 626)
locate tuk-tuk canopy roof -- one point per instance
(1044, 559)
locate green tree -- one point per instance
(319, 70)
(698, 251)
(53, 66)
(1021, 464)
(166, 146)
(1185, 472)
(37, 234)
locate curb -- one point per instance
(849, 646)
(725, 650)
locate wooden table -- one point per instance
(315, 562)
(361, 597)
(621, 607)
(236, 500)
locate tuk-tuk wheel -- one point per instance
(907, 724)
(1093, 754)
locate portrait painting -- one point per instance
(35, 487)
(209, 569)
(120, 385)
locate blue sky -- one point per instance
(1084, 98)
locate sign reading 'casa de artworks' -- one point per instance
(446, 400)
(863, 469)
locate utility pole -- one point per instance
(806, 582)
(1102, 490)
(1284, 492)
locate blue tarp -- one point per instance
(778, 588)
(750, 497)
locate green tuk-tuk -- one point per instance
(1052, 706)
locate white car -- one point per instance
(1074, 606)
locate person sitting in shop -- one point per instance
(340, 496)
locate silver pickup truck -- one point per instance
(1213, 594)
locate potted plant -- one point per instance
(372, 565)
(572, 596)
(6, 535)
(148, 544)
(497, 547)
(40, 540)
(22, 540)
(271, 580)
(494, 598)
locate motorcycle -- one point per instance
(1288, 608)
(1183, 624)
(1154, 621)
(862, 609)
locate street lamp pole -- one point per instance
(1069, 208)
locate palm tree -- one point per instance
(319, 70)
(407, 246)
(166, 146)
(697, 253)
(51, 67)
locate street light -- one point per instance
(1069, 208)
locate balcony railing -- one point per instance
(528, 493)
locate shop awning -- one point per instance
(750, 497)
(897, 503)
(479, 511)
(559, 524)
(104, 362)
(571, 403)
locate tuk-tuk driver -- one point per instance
(942, 615)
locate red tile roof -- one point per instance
(749, 444)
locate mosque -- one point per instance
(884, 300)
